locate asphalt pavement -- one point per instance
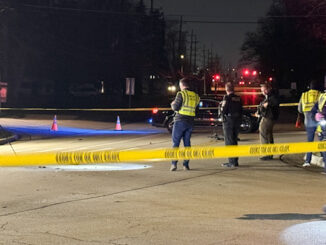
(272, 202)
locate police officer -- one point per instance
(307, 101)
(268, 112)
(185, 105)
(231, 112)
(318, 112)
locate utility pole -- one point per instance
(180, 60)
(204, 65)
(180, 36)
(208, 59)
(216, 63)
(204, 57)
(195, 55)
(191, 41)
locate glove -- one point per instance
(319, 117)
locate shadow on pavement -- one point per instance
(284, 216)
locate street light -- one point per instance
(182, 58)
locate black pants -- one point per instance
(231, 130)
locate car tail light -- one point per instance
(211, 119)
(155, 110)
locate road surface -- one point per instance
(257, 203)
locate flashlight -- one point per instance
(322, 123)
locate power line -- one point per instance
(79, 10)
(249, 17)
(220, 22)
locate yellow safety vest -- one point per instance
(321, 103)
(190, 101)
(309, 99)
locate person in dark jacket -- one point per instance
(231, 112)
(318, 113)
(185, 105)
(268, 112)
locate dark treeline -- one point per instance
(290, 43)
(51, 50)
(49, 46)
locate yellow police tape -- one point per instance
(282, 105)
(75, 158)
(122, 109)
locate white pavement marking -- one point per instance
(92, 167)
(128, 149)
(311, 233)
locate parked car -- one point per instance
(207, 116)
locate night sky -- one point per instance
(224, 39)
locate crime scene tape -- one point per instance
(196, 152)
(122, 109)
(80, 109)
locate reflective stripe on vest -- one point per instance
(309, 99)
(321, 101)
(190, 101)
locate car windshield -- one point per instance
(208, 103)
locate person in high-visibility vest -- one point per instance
(318, 112)
(307, 101)
(185, 105)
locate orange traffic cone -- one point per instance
(298, 122)
(54, 124)
(118, 125)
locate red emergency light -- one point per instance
(216, 77)
(155, 110)
(246, 72)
